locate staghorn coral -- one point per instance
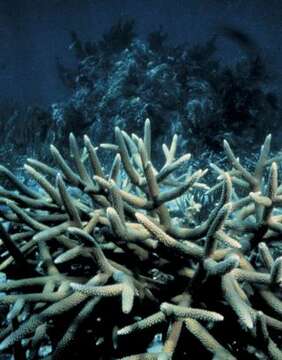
(100, 251)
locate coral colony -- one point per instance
(108, 259)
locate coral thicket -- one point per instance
(108, 258)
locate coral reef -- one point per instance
(121, 79)
(96, 256)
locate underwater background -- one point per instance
(140, 195)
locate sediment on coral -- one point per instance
(100, 258)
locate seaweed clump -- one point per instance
(107, 254)
(184, 89)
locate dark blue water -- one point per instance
(33, 33)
